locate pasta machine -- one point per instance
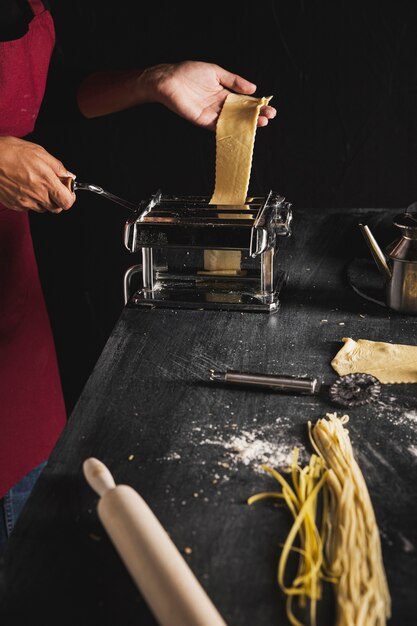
(171, 234)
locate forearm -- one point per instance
(102, 93)
(192, 89)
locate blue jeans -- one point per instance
(13, 502)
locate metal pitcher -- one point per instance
(398, 265)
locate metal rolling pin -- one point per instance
(277, 383)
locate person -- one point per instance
(32, 411)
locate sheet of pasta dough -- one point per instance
(235, 138)
(390, 363)
(225, 262)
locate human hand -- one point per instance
(30, 178)
(197, 91)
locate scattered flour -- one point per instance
(396, 415)
(265, 445)
(254, 449)
(413, 450)
(410, 415)
(172, 456)
(407, 545)
(259, 446)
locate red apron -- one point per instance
(32, 412)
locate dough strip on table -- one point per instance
(390, 363)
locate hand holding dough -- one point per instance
(390, 363)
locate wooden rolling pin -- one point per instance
(171, 590)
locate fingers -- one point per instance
(235, 82)
(30, 178)
(266, 113)
(59, 196)
(57, 166)
(262, 121)
(238, 84)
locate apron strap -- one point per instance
(37, 6)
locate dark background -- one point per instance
(344, 80)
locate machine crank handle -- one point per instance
(73, 185)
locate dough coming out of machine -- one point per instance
(221, 261)
(235, 139)
(390, 363)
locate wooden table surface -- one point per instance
(192, 449)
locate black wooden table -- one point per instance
(193, 449)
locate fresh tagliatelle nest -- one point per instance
(334, 533)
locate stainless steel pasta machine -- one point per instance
(171, 234)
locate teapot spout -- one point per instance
(376, 251)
